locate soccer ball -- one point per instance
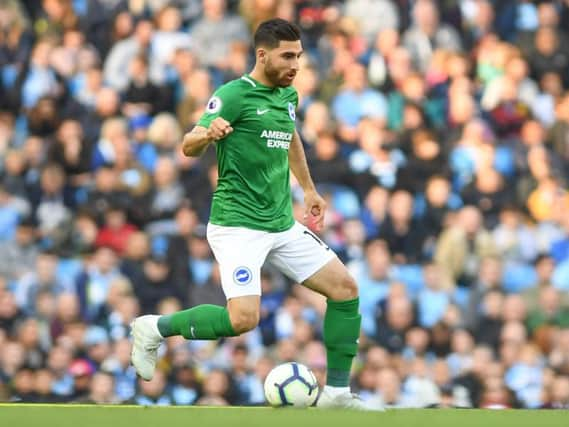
(291, 384)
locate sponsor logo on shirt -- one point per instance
(277, 138)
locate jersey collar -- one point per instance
(256, 83)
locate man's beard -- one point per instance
(273, 75)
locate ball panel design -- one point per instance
(291, 384)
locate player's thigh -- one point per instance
(333, 281)
(240, 253)
(299, 253)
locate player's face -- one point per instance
(282, 63)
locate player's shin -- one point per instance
(341, 332)
(203, 322)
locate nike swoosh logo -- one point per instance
(261, 112)
(242, 276)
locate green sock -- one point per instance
(203, 322)
(341, 332)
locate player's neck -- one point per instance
(258, 75)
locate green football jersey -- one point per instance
(253, 189)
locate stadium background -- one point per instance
(438, 131)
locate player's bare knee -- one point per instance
(347, 289)
(244, 320)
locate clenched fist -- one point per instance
(219, 128)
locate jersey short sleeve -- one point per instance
(224, 103)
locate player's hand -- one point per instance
(219, 128)
(314, 210)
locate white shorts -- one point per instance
(241, 252)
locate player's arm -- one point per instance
(198, 139)
(315, 206)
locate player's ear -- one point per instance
(262, 55)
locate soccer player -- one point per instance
(251, 122)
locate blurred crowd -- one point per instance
(437, 130)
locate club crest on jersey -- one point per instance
(291, 111)
(213, 105)
(242, 276)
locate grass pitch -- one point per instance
(27, 415)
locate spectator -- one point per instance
(472, 379)
(375, 162)
(559, 393)
(168, 37)
(488, 193)
(213, 34)
(528, 377)
(97, 346)
(373, 278)
(187, 388)
(400, 231)
(115, 231)
(515, 241)
(356, 100)
(549, 312)
(425, 160)
(105, 193)
(40, 78)
(168, 193)
(436, 208)
(18, 257)
(71, 152)
(13, 176)
(488, 323)
(549, 54)
(394, 323)
(101, 390)
(153, 392)
(547, 199)
(43, 387)
(156, 283)
(432, 301)
(123, 373)
(558, 131)
(82, 373)
(374, 210)
(427, 34)
(216, 389)
(412, 92)
(123, 52)
(107, 103)
(93, 283)
(11, 209)
(461, 247)
(327, 164)
(373, 16)
(391, 394)
(43, 279)
(58, 363)
(459, 360)
(141, 95)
